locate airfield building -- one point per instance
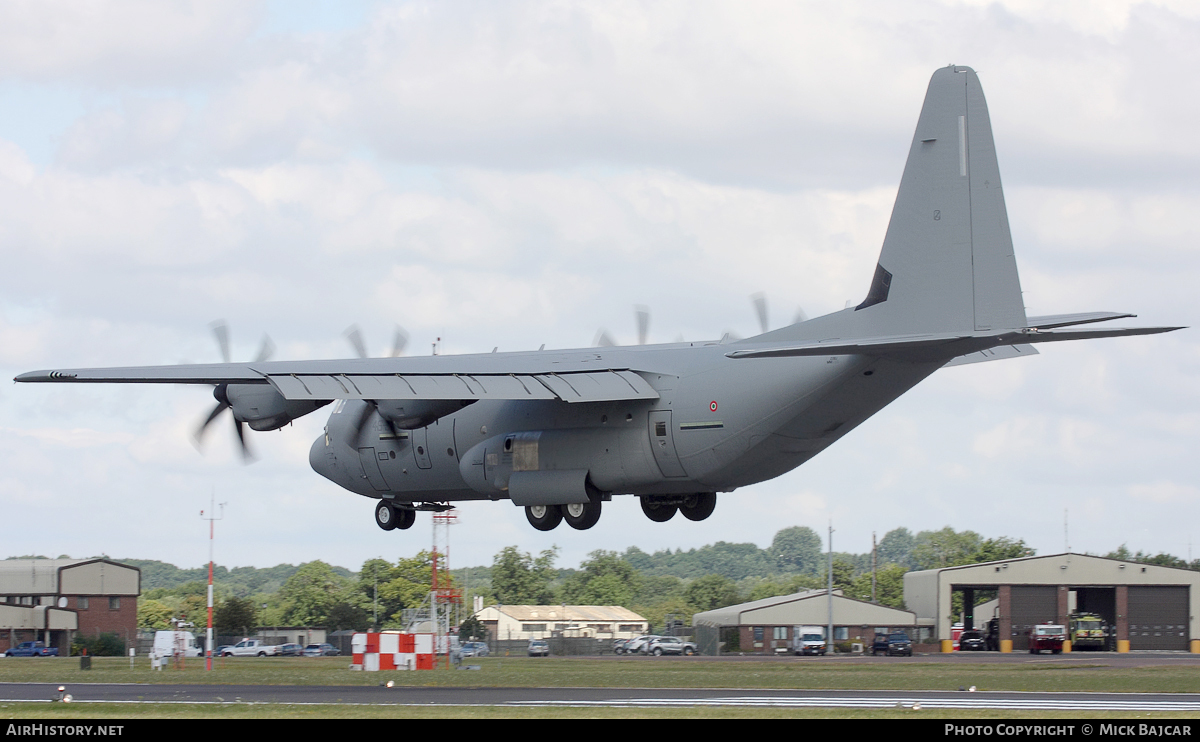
(53, 600)
(1150, 607)
(768, 626)
(525, 622)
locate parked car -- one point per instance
(475, 649)
(291, 650)
(670, 645)
(639, 643)
(972, 641)
(32, 649)
(251, 648)
(321, 650)
(892, 644)
(539, 648)
(619, 646)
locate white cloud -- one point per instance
(519, 173)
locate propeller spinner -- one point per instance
(221, 391)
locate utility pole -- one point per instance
(208, 641)
(874, 552)
(829, 593)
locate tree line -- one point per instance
(656, 585)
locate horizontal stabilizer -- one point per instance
(945, 346)
(998, 353)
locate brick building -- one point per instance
(53, 600)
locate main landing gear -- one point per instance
(388, 516)
(580, 516)
(661, 508)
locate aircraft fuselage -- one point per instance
(717, 425)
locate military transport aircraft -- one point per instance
(561, 432)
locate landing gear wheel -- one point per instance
(699, 506)
(656, 512)
(405, 518)
(543, 517)
(582, 516)
(385, 516)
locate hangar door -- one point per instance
(1158, 617)
(1031, 605)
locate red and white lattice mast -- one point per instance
(208, 640)
(444, 598)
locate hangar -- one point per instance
(767, 626)
(51, 600)
(1151, 607)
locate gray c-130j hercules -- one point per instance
(561, 432)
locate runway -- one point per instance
(133, 693)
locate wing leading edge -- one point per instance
(330, 380)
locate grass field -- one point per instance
(637, 672)
(634, 672)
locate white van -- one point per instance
(167, 643)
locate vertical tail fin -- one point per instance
(947, 263)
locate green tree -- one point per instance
(999, 549)
(308, 597)
(711, 591)
(235, 616)
(604, 579)
(520, 579)
(154, 614)
(797, 549)
(472, 629)
(385, 590)
(945, 548)
(889, 586)
(896, 547)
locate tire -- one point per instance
(699, 506)
(262, 654)
(656, 512)
(405, 518)
(658, 651)
(689, 651)
(385, 516)
(582, 516)
(543, 517)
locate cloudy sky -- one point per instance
(512, 174)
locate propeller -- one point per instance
(399, 341)
(220, 391)
(760, 307)
(759, 299)
(643, 322)
(642, 313)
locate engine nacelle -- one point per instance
(263, 408)
(412, 414)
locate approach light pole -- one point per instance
(208, 639)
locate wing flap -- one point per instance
(591, 386)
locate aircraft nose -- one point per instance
(320, 458)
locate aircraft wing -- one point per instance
(570, 377)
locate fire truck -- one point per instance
(1087, 631)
